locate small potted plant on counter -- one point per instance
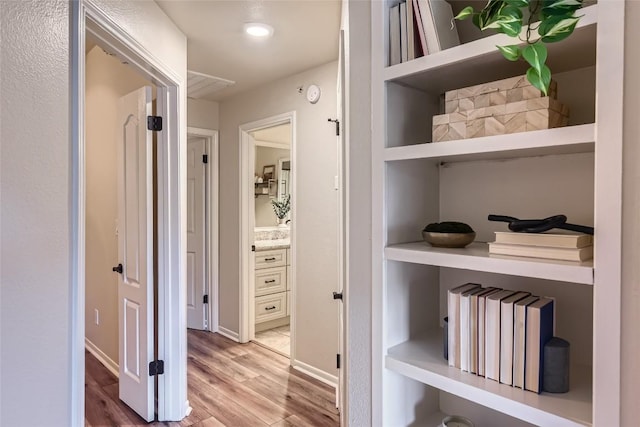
(281, 209)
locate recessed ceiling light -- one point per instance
(257, 29)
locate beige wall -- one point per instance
(107, 80)
(202, 114)
(316, 224)
(265, 217)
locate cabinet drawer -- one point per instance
(271, 258)
(271, 307)
(271, 280)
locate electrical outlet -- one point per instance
(97, 317)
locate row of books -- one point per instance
(499, 334)
(420, 27)
(557, 246)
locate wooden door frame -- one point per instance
(86, 16)
(247, 224)
(212, 236)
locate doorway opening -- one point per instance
(272, 213)
(268, 271)
(163, 302)
(202, 229)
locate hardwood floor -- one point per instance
(230, 384)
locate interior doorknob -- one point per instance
(118, 268)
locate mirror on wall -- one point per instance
(272, 171)
(284, 178)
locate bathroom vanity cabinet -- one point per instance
(271, 288)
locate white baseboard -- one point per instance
(316, 373)
(102, 357)
(229, 334)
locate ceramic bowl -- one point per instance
(448, 240)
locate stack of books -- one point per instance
(556, 246)
(420, 27)
(499, 334)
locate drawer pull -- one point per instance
(270, 259)
(270, 281)
(273, 307)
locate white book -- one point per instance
(446, 30)
(394, 35)
(453, 332)
(519, 334)
(467, 323)
(428, 27)
(562, 254)
(439, 26)
(554, 240)
(420, 27)
(492, 334)
(404, 46)
(411, 47)
(506, 336)
(478, 302)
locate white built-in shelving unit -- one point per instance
(575, 170)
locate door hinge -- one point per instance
(205, 299)
(253, 248)
(156, 367)
(205, 158)
(337, 122)
(337, 361)
(337, 295)
(154, 123)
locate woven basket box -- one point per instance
(501, 107)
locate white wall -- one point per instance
(358, 222)
(316, 224)
(35, 219)
(37, 300)
(106, 81)
(265, 217)
(202, 114)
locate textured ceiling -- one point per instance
(305, 36)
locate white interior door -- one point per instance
(196, 229)
(135, 252)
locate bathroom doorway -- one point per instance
(272, 237)
(268, 235)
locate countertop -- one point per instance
(263, 245)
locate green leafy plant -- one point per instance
(281, 208)
(556, 21)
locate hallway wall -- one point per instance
(316, 223)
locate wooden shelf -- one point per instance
(476, 257)
(480, 61)
(422, 360)
(566, 140)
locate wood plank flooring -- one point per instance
(230, 384)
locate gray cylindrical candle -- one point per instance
(555, 373)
